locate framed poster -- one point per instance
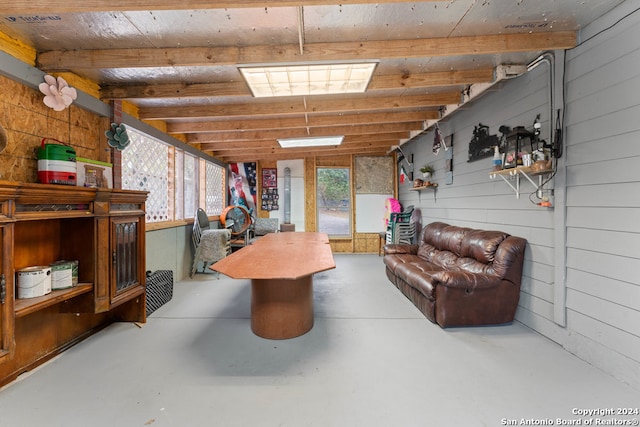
(270, 199)
(269, 178)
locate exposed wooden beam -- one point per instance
(300, 122)
(297, 106)
(275, 147)
(433, 79)
(272, 134)
(289, 155)
(349, 140)
(57, 6)
(239, 88)
(231, 55)
(175, 90)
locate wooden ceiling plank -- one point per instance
(231, 55)
(51, 6)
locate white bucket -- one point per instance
(34, 282)
(61, 275)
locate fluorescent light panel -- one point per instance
(309, 79)
(310, 141)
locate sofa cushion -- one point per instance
(481, 245)
(426, 251)
(431, 232)
(418, 275)
(471, 265)
(450, 239)
(428, 238)
(446, 260)
(392, 261)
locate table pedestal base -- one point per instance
(281, 308)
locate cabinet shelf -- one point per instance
(24, 307)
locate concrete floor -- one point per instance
(371, 359)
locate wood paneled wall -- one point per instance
(595, 216)
(603, 194)
(27, 120)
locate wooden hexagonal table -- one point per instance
(281, 268)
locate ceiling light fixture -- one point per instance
(310, 141)
(307, 79)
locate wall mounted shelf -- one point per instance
(433, 187)
(424, 187)
(512, 176)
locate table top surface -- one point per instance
(290, 255)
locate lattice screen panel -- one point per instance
(216, 188)
(144, 167)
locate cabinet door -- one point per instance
(127, 252)
(6, 293)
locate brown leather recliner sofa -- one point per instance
(459, 276)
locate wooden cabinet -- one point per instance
(122, 244)
(101, 229)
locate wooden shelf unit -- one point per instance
(102, 229)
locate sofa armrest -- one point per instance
(465, 280)
(400, 248)
(463, 298)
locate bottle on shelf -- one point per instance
(497, 158)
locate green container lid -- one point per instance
(56, 152)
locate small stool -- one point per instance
(287, 227)
(382, 238)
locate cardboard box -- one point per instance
(93, 173)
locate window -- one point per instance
(333, 201)
(178, 182)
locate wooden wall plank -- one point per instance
(606, 312)
(621, 243)
(605, 265)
